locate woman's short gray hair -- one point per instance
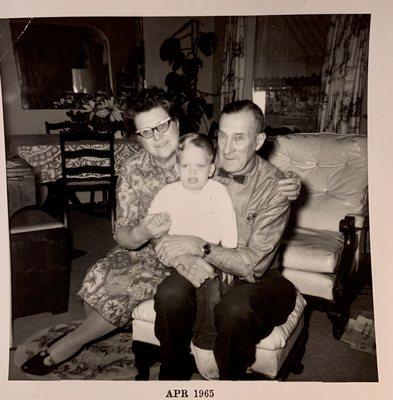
(145, 100)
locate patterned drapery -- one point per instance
(344, 77)
(234, 61)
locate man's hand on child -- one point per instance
(195, 269)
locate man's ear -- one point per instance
(212, 169)
(261, 137)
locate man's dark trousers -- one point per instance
(246, 313)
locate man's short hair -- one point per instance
(246, 105)
(196, 139)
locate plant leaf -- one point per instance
(169, 48)
(207, 43)
(178, 60)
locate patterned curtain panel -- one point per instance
(234, 61)
(344, 78)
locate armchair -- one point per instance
(324, 245)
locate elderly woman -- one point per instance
(130, 273)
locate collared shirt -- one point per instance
(262, 214)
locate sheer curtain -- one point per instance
(234, 60)
(344, 78)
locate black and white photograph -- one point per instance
(188, 199)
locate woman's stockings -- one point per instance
(93, 327)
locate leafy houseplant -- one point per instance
(182, 81)
(94, 112)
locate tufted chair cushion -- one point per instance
(333, 170)
(312, 250)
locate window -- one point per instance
(289, 56)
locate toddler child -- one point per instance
(198, 206)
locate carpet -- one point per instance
(108, 359)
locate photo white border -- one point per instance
(380, 187)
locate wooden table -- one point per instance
(42, 152)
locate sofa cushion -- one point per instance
(145, 311)
(278, 338)
(312, 250)
(269, 362)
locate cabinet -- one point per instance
(20, 185)
(40, 264)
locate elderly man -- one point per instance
(258, 298)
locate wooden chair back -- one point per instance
(77, 156)
(56, 127)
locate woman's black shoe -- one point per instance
(36, 366)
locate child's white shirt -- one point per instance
(207, 213)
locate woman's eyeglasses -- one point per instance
(162, 127)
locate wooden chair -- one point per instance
(56, 127)
(88, 165)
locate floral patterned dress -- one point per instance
(117, 283)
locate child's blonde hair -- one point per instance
(199, 140)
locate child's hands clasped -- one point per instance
(157, 225)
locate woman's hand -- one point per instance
(174, 246)
(156, 225)
(290, 186)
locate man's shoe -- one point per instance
(178, 371)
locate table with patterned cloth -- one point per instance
(42, 152)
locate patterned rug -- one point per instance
(108, 359)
